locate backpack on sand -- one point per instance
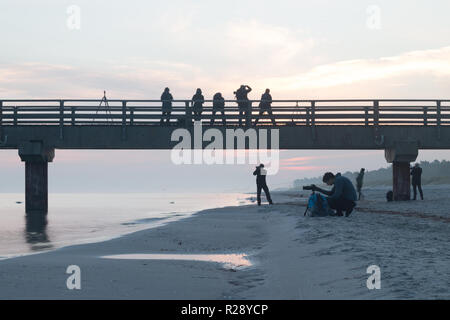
(389, 196)
(318, 206)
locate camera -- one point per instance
(311, 187)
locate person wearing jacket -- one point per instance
(342, 196)
(359, 182)
(166, 99)
(260, 174)
(245, 105)
(416, 173)
(218, 106)
(265, 106)
(197, 104)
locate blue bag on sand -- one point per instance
(318, 206)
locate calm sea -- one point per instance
(83, 218)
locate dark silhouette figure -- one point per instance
(166, 99)
(416, 173)
(359, 182)
(342, 196)
(260, 174)
(390, 196)
(245, 106)
(197, 104)
(218, 106)
(265, 106)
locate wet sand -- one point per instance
(292, 257)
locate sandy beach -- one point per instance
(292, 257)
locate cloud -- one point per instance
(136, 79)
(319, 163)
(269, 46)
(177, 21)
(429, 63)
(424, 73)
(310, 159)
(303, 168)
(112, 157)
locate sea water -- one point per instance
(83, 218)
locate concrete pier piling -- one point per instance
(36, 186)
(36, 157)
(401, 154)
(401, 181)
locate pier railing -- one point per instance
(70, 112)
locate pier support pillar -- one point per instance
(401, 181)
(400, 155)
(36, 157)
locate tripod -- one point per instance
(307, 205)
(108, 110)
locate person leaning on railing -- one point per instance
(265, 106)
(218, 106)
(166, 99)
(197, 104)
(243, 103)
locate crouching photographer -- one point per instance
(342, 196)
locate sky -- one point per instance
(299, 49)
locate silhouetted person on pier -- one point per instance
(197, 104)
(359, 182)
(218, 106)
(245, 106)
(260, 174)
(265, 106)
(342, 196)
(166, 99)
(416, 173)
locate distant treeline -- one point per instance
(436, 172)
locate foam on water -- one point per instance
(231, 260)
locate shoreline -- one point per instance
(293, 258)
(145, 226)
(263, 233)
(55, 261)
(75, 222)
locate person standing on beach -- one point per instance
(260, 174)
(416, 173)
(359, 182)
(166, 99)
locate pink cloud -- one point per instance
(111, 156)
(296, 160)
(302, 168)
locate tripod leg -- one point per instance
(108, 110)
(98, 108)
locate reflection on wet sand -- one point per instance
(36, 231)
